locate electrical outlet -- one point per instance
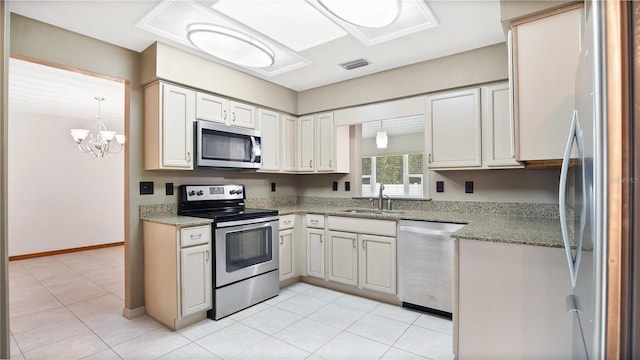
(335, 186)
(439, 186)
(168, 188)
(468, 187)
(146, 187)
(347, 186)
(273, 187)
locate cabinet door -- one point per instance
(286, 254)
(242, 115)
(269, 125)
(499, 133)
(212, 108)
(325, 142)
(315, 253)
(378, 263)
(546, 52)
(453, 134)
(306, 136)
(343, 258)
(288, 141)
(177, 127)
(195, 279)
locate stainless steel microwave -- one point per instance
(223, 146)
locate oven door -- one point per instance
(244, 249)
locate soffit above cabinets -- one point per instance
(309, 42)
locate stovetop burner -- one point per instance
(218, 202)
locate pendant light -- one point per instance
(381, 138)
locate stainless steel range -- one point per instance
(245, 248)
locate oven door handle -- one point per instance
(245, 222)
(255, 150)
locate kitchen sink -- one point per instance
(374, 212)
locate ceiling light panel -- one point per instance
(171, 19)
(304, 27)
(414, 16)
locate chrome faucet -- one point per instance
(381, 197)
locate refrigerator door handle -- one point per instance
(571, 261)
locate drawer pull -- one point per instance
(287, 222)
(314, 221)
(196, 236)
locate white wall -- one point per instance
(59, 197)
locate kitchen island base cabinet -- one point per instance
(511, 302)
(177, 273)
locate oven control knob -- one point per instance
(239, 191)
(232, 192)
(200, 193)
(192, 193)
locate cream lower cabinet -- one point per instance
(315, 242)
(177, 273)
(366, 258)
(169, 113)
(287, 247)
(511, 301)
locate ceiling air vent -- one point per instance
(354, 64)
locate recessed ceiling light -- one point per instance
(230, 45)
(365, 13)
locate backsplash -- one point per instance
(475, 207)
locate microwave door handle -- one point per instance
(255, 149)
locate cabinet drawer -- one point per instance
(195, 235)
(315, 221)
(287, 222)
(362, 226)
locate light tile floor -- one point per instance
(70, 307)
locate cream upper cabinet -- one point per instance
(545, 54)
(306, 143)
(211, 108)
(269, 126)
(453, 133)
(168, 115)
(288, 139)
(325, 142)
(499, 128)
(242, 114)
(218, 109)
(322, 147)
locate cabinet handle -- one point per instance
(314, 221)
(363, 242)
(354, 243)
(287, 222)
(310, 163)
(429, 158)
(320, 239)
(196, 236)
(330, 163)
(224, 114)
(188, 156)
(281, 240)
(207, 259)
(233, 114)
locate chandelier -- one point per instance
(98, 141)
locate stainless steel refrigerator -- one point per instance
(582, 192)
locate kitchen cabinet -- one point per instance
(287, 246)
(362, 253)
(177, 273)
(322, 147)
(545, 50)
(499, 128)
(169, 113)
(511, 301)
(453, 132)
(269, 126)
(315, 245)
(218, 109)
(288, 139)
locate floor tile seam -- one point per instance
(50, 343)
(368, 338)
(93, 330)
(272, 337)
(16, 342)
(432, 329)
(154, 330)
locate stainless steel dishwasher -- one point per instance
(425, 265)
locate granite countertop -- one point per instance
(535, 231)
(178, 220)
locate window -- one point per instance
(401, 175)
